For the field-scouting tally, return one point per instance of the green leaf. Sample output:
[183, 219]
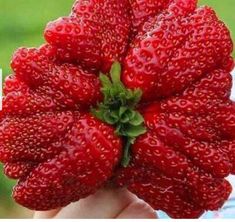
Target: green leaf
[106, 83]
[129, 95]
[97, 113]
[126, 114]
[124, 118]
[103, 107]
[131, 113]
[109, 119]
[122, 97]
[122, 110]
[132, 140]
[113, 92]
[137, 94]
[135, 131]
[137, 120]
[118, 130]
[114, 115]
[116, 73]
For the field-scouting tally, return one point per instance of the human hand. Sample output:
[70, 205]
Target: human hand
[105, 204]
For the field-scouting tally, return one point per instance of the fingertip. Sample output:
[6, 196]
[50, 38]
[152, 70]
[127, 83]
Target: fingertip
[138, 210]
[46, 214]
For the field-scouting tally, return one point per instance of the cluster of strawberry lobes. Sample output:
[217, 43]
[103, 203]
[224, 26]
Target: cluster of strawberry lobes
[178, 54]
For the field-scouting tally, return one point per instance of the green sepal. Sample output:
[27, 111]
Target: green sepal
[105, 81]
[115, 73]
[137, 119]
[135, 131]
[127, 152]
[119, 109]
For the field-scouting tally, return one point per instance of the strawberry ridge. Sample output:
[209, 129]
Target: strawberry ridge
[119, 109]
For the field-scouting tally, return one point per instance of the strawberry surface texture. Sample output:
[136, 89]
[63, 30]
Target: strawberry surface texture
[124, 93]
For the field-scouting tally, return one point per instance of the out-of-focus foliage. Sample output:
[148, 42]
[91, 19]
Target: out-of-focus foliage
[21, 24]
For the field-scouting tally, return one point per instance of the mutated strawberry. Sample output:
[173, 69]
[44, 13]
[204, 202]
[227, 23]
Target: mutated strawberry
[190, 140]
[179, 48]
[144, 10]
[95, 34]
[65, 132]
[68, 157]
[72, 152]
[42, 132]
[67, 84]
[89, 152]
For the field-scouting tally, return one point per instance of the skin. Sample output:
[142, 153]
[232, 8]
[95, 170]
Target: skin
[107, 203]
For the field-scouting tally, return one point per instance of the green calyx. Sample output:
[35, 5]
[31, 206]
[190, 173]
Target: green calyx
[119, 109]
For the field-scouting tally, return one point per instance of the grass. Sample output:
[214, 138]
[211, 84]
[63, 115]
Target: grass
[22, 23]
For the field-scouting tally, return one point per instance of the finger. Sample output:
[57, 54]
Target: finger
[167, 200]
[138, 210]
[46, 214]
[104, 204]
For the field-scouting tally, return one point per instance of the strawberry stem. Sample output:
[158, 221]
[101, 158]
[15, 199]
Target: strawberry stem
[127, 154]
[119, 109]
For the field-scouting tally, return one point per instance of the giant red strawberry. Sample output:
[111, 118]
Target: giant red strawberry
[94, 35]
[134, 93]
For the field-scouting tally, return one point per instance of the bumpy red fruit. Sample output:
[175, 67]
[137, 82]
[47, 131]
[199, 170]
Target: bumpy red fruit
[144, 10]
[89, 152]
[68, 84]
[42, 133]
[95, 34]
[173, 53]
[177, 55]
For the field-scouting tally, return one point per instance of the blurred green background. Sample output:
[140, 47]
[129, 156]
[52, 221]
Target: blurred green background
[21, 24]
